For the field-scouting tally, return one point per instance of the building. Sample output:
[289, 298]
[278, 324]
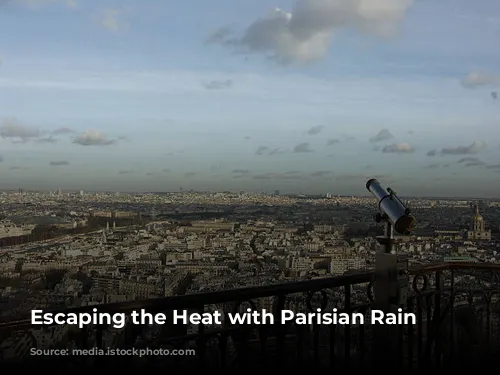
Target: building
[478, 230]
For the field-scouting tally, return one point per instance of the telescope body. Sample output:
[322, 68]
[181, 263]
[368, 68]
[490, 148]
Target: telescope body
[390, 205]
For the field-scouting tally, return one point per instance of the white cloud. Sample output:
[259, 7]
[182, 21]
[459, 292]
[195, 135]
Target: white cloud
[12, 128]
[93, 138]
[477, 79]
[306, 33]
[110, 19]
[474, 148]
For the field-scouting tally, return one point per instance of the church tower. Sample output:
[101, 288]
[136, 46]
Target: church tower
[478, 228]
[477, 221]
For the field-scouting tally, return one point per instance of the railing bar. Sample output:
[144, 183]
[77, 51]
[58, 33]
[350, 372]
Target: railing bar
[98, 361]
[223, 350]
[332, 332]
[82, 341]
[300, 345]
[436, 321]
[411, 335]
[452, 312]
[347, 328]
[202, 340]
[419, 332]
[429, 329]
[280, 331]
[316, 354]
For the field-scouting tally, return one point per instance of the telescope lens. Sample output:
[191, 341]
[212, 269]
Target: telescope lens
[405, 224]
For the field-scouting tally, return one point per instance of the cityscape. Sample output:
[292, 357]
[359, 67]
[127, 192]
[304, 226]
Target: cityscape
[65, 250]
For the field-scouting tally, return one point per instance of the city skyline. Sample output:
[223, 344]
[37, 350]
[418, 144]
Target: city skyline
[132, 96]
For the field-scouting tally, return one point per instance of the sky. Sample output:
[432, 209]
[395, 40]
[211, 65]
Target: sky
[307, 96]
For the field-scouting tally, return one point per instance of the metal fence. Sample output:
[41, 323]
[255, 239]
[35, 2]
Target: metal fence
[457, 323]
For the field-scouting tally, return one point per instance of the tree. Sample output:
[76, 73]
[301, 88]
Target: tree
[53, 277]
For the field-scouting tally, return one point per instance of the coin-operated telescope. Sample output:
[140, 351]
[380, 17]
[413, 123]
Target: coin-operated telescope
[392, 211]
[391, 270]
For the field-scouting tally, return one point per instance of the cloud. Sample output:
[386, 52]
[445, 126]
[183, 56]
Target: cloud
[332, 142]
[110, 19]
[305, 34]
[262, 150]
[12, 128]
[474, 148]
[59, 163]
[432, 153]
[493, 166]
[93, 138]
[278, 176]
[303, 147]
[218, 85]
[127, 171]
[398, 148]
[432, 166]
[47, 140]
[216, 167]
[1, 159]
[382, 135]
[219, 36]
[240, 171]
[63, 130]
[477, 163]
[360, 177]
[190, 174]
[315, 130]
[321, 173]
[275, 151]
[478, 79]
[468, 160]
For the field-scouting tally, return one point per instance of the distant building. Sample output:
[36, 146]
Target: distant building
[478, 230]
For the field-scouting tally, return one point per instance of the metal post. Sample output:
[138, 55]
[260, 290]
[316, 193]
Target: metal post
[390, 293]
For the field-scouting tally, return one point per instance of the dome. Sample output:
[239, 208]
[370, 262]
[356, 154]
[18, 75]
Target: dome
[477, 216]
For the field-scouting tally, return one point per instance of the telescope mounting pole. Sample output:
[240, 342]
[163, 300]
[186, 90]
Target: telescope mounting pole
[387, 240]
[390, 293]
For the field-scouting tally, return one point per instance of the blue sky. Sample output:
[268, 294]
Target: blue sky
[252, 94]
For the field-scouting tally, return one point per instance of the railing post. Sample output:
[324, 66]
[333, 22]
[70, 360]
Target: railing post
[390, 292]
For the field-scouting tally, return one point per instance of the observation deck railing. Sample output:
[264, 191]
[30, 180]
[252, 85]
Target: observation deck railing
[457, 306]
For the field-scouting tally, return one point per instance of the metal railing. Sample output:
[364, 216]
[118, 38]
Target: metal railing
[456, 305]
